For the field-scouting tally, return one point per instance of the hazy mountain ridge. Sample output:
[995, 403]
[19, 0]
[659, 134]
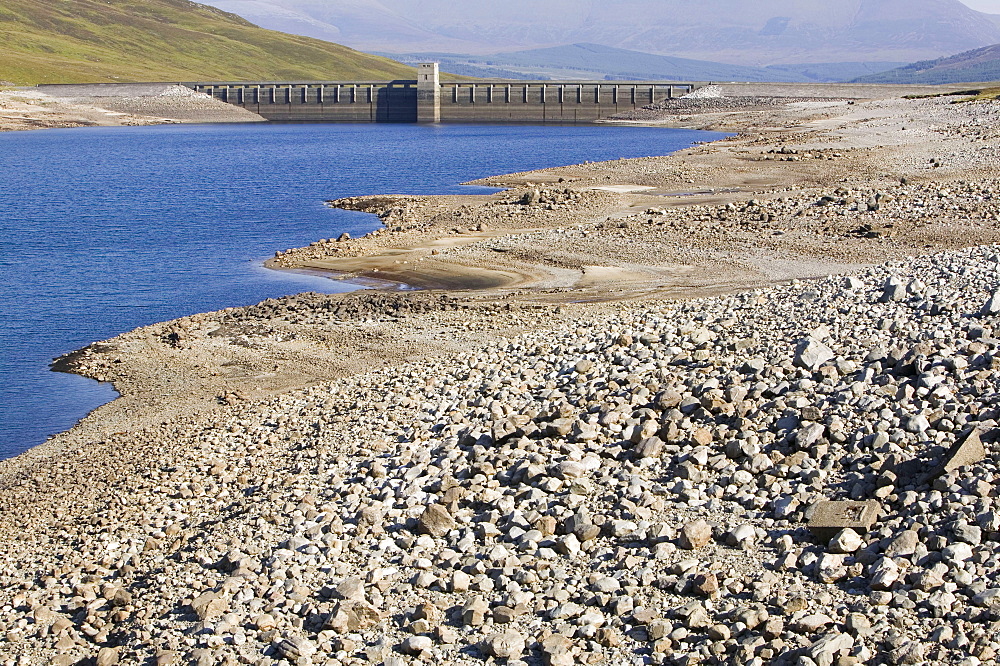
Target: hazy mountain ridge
[593, 61]
[67, 41]
[733, 31]
[974, 66]
[360, 22]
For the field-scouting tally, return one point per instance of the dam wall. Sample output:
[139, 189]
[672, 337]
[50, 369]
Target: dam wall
[334, 101]
[430, 100]
[549, 101]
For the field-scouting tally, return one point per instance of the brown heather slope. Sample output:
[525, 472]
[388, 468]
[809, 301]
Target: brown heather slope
[968, 67]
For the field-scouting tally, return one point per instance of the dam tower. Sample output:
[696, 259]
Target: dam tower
[428, 93]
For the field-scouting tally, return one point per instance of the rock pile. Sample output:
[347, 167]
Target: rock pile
[705, 92]
[849, 223]
[696, 103]
[645, 486]
[358, 305]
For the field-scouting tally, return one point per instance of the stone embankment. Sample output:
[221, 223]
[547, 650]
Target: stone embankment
[112, 105]
[629, 487]
[172, 103]
[705, 103]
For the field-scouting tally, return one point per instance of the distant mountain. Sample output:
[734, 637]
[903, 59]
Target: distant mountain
[364, 24]
[974, 66]
[760, 33]
[69, 41]
[830, 72]
[594, 61]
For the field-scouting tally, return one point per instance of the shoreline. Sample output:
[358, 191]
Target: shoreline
[28, 108]
[212, 487]
[540, 283]
[420, 238]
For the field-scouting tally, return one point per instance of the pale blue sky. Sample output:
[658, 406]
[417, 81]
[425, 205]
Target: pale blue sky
[989, 6]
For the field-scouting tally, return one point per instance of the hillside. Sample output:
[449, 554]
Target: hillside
[762, 33]
[67, 41]
[969, 67]
[627, 64]
[594, 61]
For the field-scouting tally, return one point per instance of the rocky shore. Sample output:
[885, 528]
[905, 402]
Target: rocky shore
[97, 105]
[631, 485]
[800, 190]
[553, 463]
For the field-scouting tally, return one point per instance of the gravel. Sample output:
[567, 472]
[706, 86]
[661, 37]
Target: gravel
[173, 102]
[451, 510]
[709, 103]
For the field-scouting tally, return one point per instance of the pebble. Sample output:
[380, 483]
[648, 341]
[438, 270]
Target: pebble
[695, 534]
[505, 645]
[846, 541]
[416, 645]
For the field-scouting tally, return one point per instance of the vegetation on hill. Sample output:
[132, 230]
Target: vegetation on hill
[72, 41]
[969, 67]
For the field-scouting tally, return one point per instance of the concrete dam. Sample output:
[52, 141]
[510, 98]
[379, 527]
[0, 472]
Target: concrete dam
[429, 100]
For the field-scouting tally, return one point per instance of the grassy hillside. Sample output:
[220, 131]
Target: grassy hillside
[71, 41]
[970, 67]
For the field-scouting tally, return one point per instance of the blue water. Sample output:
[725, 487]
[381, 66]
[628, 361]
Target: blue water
[106, 229]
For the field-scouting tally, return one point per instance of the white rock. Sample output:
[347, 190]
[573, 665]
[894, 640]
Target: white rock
[957, 552]
[743, 537]
[846, 541]
[810, 354]
[991, 306]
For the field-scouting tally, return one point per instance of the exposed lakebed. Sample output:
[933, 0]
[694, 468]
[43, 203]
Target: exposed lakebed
[106, 229]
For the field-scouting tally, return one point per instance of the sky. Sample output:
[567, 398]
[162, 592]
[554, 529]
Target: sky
[989, 6]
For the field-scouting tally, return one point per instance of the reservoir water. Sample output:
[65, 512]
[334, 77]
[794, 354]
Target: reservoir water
[106, 229]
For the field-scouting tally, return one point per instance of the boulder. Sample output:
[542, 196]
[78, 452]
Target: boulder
[810, 354]
[435, 520]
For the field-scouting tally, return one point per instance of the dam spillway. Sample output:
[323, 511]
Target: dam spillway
[428, 99]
